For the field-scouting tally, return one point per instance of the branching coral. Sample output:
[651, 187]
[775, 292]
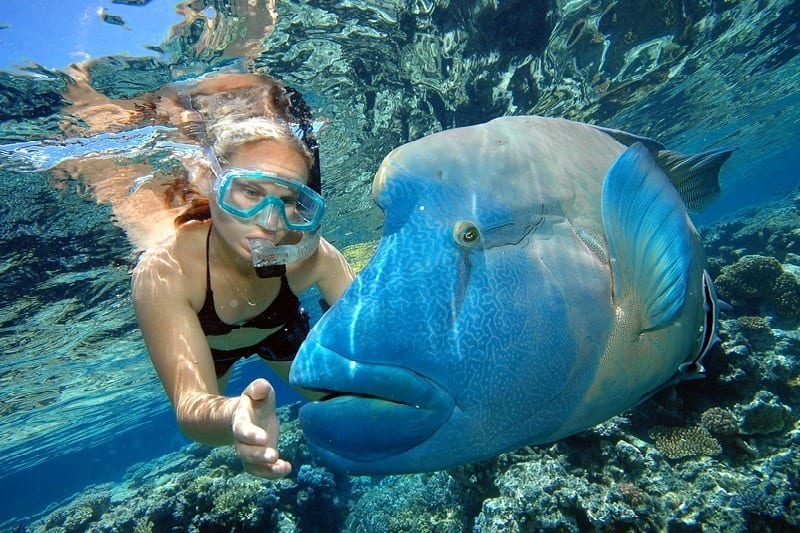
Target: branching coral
[678, 442]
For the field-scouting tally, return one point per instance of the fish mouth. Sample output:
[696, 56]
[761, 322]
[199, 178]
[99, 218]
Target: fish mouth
[368, 411]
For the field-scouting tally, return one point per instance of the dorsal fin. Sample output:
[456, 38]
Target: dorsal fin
[629, 139]
[649, 237]
[695, 176]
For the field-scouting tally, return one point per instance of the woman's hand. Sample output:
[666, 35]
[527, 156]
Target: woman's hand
[255, 432]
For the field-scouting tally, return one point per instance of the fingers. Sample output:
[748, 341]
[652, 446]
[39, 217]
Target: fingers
[255, 413]
[255, 432]
[262, 461]
[256, 455]
[274, 470]
[247, 432]
[243, 424]
[261, 389]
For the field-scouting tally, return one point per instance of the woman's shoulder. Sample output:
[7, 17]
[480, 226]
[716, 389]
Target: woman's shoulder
[326, 252]
[317, 261]
[326, 265]
[174, 263]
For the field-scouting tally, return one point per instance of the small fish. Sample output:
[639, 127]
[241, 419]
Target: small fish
[108, 18]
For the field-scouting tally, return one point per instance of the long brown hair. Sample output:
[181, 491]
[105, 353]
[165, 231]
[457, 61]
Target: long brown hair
[198, 209]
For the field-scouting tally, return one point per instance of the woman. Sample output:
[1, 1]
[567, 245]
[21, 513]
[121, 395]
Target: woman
[225, 286]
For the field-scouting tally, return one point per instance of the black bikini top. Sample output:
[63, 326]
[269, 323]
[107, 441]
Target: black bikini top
[283, 308]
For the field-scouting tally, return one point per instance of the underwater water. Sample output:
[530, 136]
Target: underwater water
[87, 437]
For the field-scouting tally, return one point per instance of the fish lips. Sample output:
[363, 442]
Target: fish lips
[372, 411]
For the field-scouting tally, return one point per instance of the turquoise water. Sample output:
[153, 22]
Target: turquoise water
[80, 402]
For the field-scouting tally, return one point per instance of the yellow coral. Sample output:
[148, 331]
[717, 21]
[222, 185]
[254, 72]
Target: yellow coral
[359, 254]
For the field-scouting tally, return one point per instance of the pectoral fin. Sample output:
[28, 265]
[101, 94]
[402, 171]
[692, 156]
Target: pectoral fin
[650, 238]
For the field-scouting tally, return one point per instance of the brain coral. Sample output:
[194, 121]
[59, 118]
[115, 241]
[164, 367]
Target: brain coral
[755, 282]
[720, 421]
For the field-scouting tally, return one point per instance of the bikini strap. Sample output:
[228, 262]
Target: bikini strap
[208, 264]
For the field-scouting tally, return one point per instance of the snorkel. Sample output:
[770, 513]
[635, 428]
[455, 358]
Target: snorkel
[270, 260]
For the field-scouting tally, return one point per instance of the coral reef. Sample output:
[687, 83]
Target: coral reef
[720, 454]
[760, 285]
[425, 502]
[720, 421]
[203, 489]
[765, 414]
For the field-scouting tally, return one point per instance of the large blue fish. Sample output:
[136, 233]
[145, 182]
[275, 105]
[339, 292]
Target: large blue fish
[535, 277]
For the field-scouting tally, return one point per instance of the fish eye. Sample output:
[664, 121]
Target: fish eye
[466, 234]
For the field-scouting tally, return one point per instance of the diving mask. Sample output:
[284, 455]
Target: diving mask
[264, 198]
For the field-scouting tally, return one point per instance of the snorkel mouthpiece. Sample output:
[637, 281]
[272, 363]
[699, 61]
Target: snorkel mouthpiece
[274, 271]
[266, 259]
[270, 260]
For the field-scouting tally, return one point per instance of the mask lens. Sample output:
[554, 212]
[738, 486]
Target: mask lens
[304, 207]
[247, 193]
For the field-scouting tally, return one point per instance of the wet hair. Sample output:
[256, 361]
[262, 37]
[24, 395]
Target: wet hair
[226, 111]
[239, 108]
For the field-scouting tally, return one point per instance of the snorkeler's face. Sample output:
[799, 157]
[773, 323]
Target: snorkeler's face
[271, 157]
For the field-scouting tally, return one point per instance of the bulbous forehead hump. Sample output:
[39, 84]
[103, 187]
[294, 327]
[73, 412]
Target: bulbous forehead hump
[518, 161]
